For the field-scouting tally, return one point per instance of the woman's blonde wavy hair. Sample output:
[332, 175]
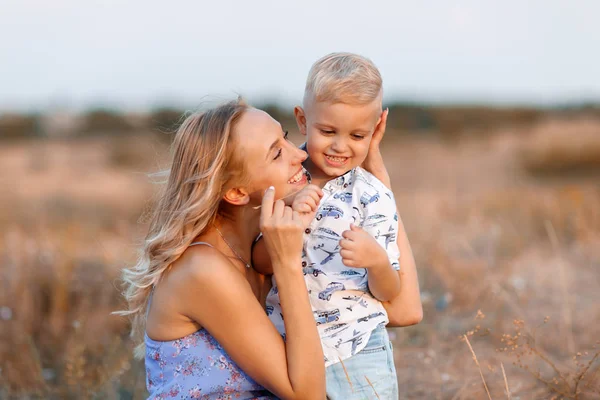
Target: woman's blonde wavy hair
[204, 166]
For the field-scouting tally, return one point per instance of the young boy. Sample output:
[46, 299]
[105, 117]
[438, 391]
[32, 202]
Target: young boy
[350, 255]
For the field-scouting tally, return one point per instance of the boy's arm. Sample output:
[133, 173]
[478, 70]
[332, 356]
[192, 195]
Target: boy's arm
[374, 246]
[384, 282]
[406, 308]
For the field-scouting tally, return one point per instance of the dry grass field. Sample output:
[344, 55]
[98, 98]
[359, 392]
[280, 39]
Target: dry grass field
[505, 227]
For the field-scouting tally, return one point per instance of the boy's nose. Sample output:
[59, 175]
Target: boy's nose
[338, 145]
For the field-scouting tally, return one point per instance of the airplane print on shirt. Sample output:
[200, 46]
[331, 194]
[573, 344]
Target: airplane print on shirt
[356, 340]
[330, 254]
[390, 236]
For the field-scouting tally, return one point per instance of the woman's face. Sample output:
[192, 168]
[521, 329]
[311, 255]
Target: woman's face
[270, 159]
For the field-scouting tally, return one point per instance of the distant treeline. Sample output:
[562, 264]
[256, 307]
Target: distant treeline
[447, 120]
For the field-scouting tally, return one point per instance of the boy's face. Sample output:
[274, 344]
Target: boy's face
[338, 134]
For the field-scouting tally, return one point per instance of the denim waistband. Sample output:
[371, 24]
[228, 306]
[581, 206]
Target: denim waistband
[379, 336]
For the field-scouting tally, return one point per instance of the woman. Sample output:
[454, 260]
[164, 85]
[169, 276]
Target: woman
[193, 290]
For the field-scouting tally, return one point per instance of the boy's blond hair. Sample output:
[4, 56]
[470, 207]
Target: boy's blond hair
[343, 78]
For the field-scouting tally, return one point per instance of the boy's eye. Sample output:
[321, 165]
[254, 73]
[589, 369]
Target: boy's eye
[358, 137]
[327, 132]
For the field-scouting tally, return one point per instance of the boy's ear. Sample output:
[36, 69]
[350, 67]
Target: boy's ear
[237, 196]
[300, 119]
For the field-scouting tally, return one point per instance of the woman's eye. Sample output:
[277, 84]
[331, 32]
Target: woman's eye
[278, 155]
[285, 135]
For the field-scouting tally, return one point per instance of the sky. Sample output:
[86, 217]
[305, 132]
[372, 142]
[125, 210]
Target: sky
[144, 54]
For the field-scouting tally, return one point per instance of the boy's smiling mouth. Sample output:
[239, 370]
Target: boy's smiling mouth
[336, 161]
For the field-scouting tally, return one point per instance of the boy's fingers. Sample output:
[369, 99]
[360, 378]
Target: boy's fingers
[314, 196]
[348, 263]
[267, 203]
[319, 191]
[312, 188]
[350, 235]
[345, 253]
[305, 208]
[304, 205]
[310, 201]
[346, 244]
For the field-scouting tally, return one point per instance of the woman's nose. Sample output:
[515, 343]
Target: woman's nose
[301, 154]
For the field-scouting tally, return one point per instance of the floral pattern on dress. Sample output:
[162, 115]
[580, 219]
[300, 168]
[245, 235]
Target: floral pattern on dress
[197, 367]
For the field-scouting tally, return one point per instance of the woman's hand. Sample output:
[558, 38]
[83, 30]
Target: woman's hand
[379, 131]
[374, 161]
[281, 228]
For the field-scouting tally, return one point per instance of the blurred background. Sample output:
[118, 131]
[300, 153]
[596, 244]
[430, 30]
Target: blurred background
[493, 146]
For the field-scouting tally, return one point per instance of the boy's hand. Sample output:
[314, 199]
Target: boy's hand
[306, 203]
[361, 250]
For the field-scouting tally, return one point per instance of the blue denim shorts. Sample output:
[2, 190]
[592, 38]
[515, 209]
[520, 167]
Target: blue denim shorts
[375, 362]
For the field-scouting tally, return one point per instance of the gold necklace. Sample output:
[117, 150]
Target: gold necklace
[232, 249]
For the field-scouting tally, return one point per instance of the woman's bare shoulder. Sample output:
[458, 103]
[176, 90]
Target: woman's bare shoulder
[201, 262]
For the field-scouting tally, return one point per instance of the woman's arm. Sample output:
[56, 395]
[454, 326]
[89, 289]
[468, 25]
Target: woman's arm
[405, 309]
[294, 369]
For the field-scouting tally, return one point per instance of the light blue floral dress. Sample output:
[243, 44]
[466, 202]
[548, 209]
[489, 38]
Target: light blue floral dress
[197, 367]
